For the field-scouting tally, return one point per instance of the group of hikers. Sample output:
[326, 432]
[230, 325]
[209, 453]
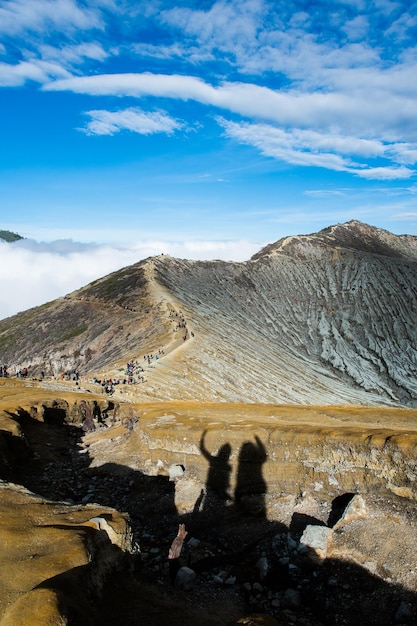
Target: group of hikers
[109, 384]
[134, 372]
[180, 324]
[71, 375]
[21, 372]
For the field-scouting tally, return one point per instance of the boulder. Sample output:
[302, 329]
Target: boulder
[356, 509]
[185, 578]
[316, 539]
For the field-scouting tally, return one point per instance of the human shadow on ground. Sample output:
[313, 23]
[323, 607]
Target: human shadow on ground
[268, 559]
[261, 557]
[251, 487]
[218, 476]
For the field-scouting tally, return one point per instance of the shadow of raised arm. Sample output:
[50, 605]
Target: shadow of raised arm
[203, 448]
[261, 450]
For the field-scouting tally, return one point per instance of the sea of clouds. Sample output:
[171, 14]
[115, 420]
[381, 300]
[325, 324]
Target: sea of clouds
[33, 273]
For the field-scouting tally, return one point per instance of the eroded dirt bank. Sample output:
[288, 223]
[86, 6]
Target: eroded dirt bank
[247, 480]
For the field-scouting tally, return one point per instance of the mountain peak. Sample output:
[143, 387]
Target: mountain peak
[353, 235]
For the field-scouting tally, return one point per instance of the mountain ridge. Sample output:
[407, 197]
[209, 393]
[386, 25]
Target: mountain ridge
[350, 236]
[314, 319]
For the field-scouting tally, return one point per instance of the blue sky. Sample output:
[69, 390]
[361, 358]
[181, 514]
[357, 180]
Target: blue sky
[201, 129]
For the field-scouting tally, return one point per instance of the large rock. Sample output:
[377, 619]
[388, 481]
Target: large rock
[356, 509]
[54, 556]
[39, 606]
[316, 539]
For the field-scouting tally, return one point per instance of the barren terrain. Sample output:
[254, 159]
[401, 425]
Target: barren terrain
[320, 319]
[268, 405]
[157, 464]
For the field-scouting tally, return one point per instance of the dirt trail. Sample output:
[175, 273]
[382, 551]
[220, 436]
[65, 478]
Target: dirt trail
[158, 370]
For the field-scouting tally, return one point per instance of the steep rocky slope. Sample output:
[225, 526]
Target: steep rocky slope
[327, 318]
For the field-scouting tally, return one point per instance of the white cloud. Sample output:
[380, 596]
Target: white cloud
[352, 112]
[356, 28]
[406, 216]
[133, 119]
[403, 27]
[285, 146]
[73, 54]
[33, 273]
[137, 85]
[404, 153]
[342, 124]
[385, 173]
[16, 75]
[323, 193]
[17, 16]
[34, 70]
[225, 25]
[309, 148]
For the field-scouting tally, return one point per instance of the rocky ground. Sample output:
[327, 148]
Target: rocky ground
[246, 562]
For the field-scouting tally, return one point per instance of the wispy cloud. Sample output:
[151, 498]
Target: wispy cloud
[339, 123]
[324, 193]
[191, 54]
[385, 173]
[133, 119]
[310, 148]
[406, 216]
[34, 69]
[30, 31]
[225, 26]
[73, 54]
[19, 16]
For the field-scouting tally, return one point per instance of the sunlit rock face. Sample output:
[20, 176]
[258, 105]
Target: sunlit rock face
[327, 318]
[273, 450]
[55, 557]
